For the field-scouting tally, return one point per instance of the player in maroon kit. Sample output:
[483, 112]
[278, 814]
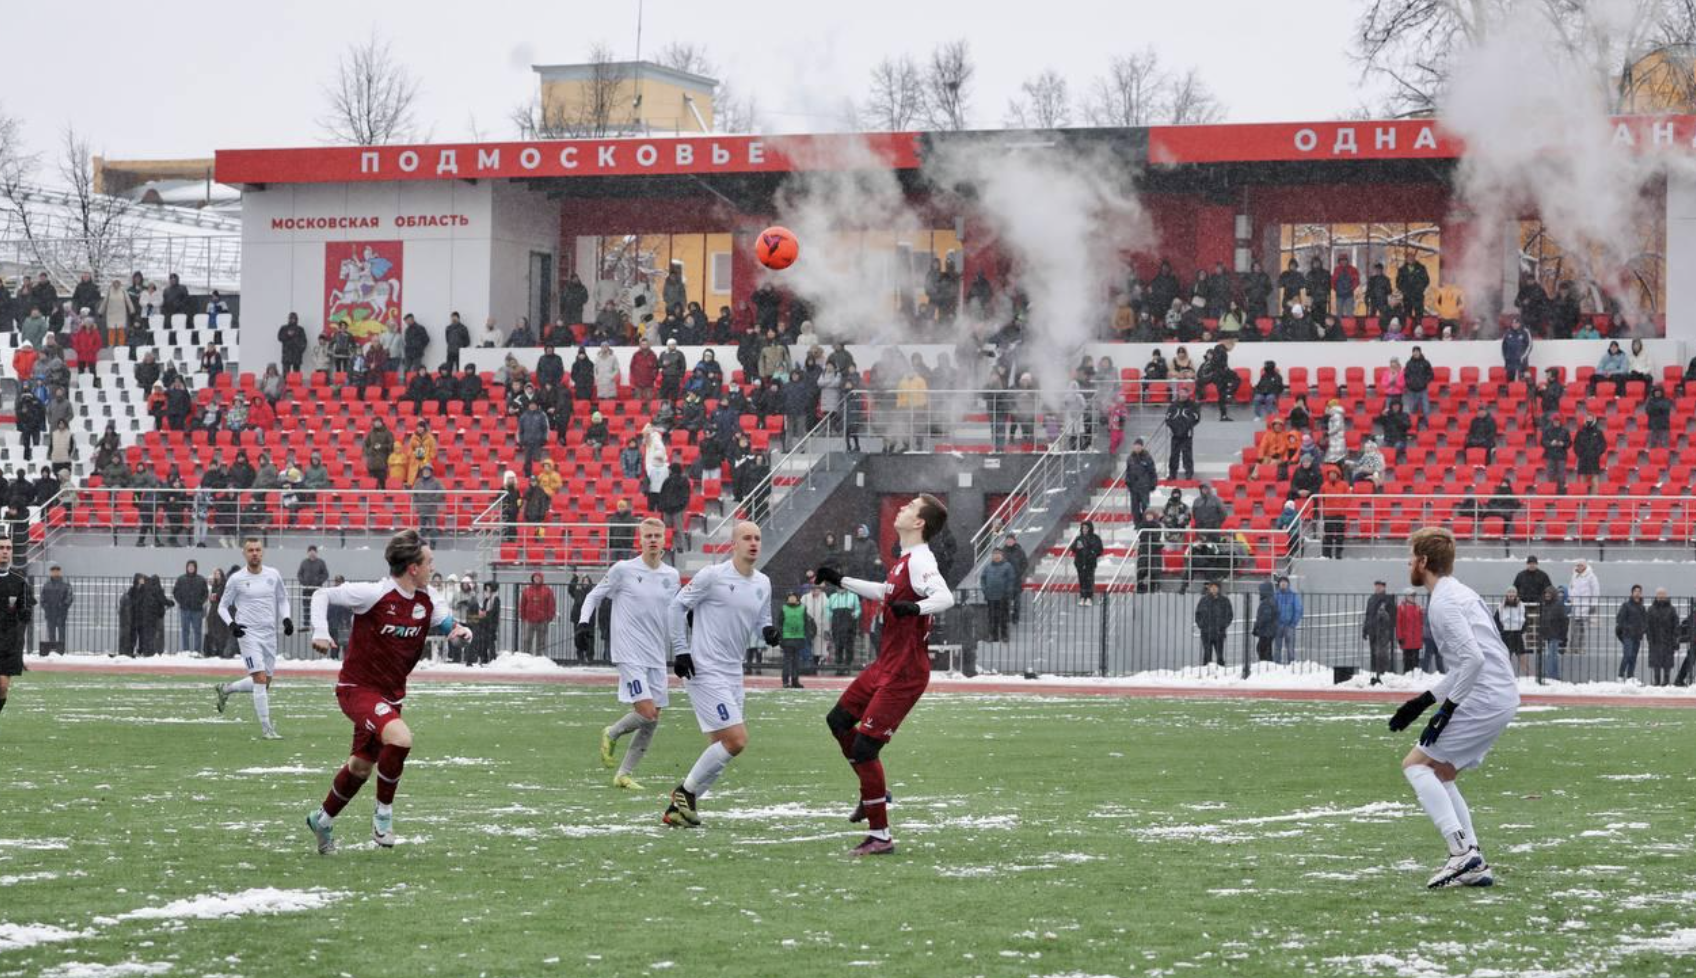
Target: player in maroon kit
[391, 620]
[872, 707]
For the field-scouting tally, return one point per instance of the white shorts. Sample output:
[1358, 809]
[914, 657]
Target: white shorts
[1468, 738]
[717, 701]
[636, 683]
[258, 655]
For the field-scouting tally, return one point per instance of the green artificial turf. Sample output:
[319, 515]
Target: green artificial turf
[1037, 837]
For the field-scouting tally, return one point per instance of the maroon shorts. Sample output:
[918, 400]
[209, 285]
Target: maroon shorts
[370, 712]
[881, 702]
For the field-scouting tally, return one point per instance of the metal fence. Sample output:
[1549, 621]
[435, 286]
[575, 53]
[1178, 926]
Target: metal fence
[1048, 633]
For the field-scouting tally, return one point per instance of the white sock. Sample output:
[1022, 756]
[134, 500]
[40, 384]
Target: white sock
[880, 834]
[325, 818]
[242, 685]
[1462, 812]
[262, 702]
[1437, 804]
[383, 809]
[706, 770]
[638, 746]
[625, 724]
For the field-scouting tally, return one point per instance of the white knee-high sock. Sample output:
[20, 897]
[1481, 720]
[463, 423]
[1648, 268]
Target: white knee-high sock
[1462, 812]
[625, 724]
[242, 685]
[712, 763]
[638, 746]
[1437, 804]
[262, 703]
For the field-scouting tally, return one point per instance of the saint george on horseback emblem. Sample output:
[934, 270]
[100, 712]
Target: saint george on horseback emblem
[362, 282]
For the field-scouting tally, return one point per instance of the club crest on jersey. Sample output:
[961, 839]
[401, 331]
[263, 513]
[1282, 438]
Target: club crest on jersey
[418, 611]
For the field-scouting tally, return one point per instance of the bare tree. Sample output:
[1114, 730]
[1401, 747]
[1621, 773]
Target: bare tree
[602, 109]
[730, 113]
[372, 98]
[948, 86]
[100, 222]
[1043, 103]
[1412, 43]
[896, 100]
[1189, 102]
[1132, 93]
[16, 166]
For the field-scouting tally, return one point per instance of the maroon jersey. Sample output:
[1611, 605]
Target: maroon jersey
[905, 649]
[389, 631]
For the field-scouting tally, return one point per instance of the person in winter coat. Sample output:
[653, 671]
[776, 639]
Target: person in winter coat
[532, 435]
[673, 504]
[1289, 620]
[56, 600]
[190, 592]
[1267, 390]
[86, 341]
[1140, 476]
[644, 371]
[1378, 628]
[1553, 626]
[1516, 352]
[1306, 480]
[1583, 593]
[1481, 432]
[1590, 445]
[606, 374]
[379, 444]
[1277, 448]
[1657, 407]
[1000, 583]
[1265, 627]
[1182, 417]
[1631, 624]
[1213, 616]
[1417, 376]
[1085, 550]
[536, 610]
[1556, 441]
[1410, 630]
[583, 376]
[1336, 434]
[1663, 635]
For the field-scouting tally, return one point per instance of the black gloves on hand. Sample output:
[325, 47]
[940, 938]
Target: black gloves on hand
[288, 626]
[1439, 720]
[684, 666]
[237, 629]
[584, 636]
[905, 609]
[772, 634]
[828, 575]
[1410, 711]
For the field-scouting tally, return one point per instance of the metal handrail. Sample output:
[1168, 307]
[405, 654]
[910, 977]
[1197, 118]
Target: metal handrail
[1049, 471]
[1151, 443]
[729, 519]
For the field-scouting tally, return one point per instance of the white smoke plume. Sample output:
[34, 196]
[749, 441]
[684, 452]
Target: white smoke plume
[1532, 107]
[1068, 218]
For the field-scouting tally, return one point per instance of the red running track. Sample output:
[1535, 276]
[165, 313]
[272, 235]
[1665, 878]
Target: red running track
[940, 685]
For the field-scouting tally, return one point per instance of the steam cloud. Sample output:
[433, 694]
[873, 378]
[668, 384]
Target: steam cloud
[1539, 141]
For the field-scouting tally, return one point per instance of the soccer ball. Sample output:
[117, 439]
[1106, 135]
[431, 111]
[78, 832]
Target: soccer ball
[777, 247]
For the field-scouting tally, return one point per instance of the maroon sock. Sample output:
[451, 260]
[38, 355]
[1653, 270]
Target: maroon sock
[342, 790]
[391, 760]
[873, 791]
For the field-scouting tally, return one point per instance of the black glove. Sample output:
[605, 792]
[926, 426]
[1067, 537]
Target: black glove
[1410, 711]
[584, 636]
[1439, 720]
[905, 609]
[684, 666]
[288, 626]
[828, 575]
[237, 629]
[772, 634]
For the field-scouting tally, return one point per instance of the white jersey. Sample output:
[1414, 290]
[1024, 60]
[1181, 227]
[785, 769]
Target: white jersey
[1480, 679]
[641, 602]
[259, 602]
[730, 611]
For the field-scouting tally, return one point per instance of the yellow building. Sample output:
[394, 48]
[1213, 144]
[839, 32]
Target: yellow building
[620, 97]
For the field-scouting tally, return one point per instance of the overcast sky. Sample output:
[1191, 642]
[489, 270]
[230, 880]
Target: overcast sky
[181, 78]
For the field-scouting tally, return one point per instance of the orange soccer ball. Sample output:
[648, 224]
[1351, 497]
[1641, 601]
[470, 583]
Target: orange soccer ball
[777, 247]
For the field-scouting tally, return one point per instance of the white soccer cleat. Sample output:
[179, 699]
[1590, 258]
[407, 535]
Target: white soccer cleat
[383, 830]
[1450, 874]
[321, 832]
[269, 732]
[1482, 876]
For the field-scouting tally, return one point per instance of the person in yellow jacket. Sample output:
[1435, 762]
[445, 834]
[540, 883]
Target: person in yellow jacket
[1449, 303]
[421, 447]
[549, 478]
[912, 398]
[400, 469]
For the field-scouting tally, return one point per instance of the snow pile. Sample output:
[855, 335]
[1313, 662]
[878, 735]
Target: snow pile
[214, 906]
[128, 969]
[16, 937]
[1682, 941]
